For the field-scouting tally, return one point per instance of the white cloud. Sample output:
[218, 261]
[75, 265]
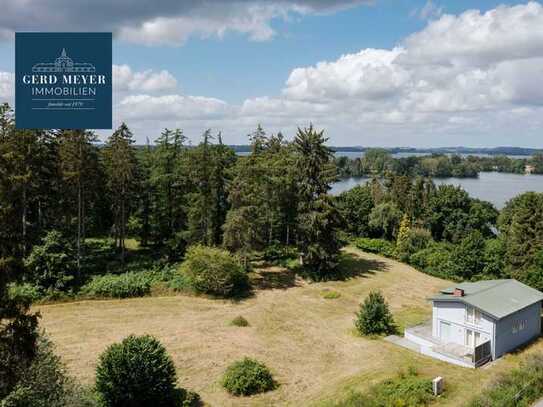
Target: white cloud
[475, 38]
[124, 79]
[7, 87]
[369, 74]
[175, 106]
[177, 30]
[519, 80]
[455, 64]
[467, 76]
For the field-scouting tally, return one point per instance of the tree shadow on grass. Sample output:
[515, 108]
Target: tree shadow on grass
[274, 278]
[277, 277]
[265, 279]
[352, 266]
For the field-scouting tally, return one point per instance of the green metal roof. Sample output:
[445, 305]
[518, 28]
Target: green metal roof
[498, 298]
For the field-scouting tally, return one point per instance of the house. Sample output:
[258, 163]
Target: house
[529, 169]
[473, 323]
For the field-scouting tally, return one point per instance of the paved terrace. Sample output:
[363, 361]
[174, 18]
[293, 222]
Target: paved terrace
[419, 339]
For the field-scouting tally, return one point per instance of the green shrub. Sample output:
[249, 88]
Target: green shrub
[132, 284]
[331, 295]
[434, 260]
[374, 317]
[385, 218]
[406, 390]
[188, 399]
[180, 282]
[81, 396]
[416, 239]
[25, 293]
[467, 256]
[52, 264]
[355, 206]
[532, 276]
[292, 265]
[379, 246]
[494, 258]
[45, 383]
[54, 295]
[137, 371]
[278, 251]
[246, 377]
[213, 271]
[519, 387]
[159, 272]
[239, 321]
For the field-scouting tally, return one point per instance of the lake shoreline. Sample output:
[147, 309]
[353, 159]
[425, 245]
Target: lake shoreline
[495, 187]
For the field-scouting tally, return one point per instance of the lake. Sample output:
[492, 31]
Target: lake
[494, 187]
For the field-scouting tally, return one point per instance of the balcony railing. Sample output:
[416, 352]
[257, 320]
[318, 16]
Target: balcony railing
[481, 354]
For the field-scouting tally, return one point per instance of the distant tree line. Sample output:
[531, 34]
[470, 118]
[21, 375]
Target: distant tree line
[380, 162]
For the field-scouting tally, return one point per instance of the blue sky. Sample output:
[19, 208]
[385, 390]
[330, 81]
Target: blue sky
[228, 65]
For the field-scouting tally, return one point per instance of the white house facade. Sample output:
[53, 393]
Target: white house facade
[473, 323]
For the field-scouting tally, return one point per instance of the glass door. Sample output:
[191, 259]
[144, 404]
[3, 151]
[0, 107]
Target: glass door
[477, 339]
[445, 331]
[469, 338]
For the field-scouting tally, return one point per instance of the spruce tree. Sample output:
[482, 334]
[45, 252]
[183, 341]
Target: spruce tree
[145, 188]
[78, 160]
[168, 180]
[18, 330]
[224, 158]
[521, 227]
[318, 218]
[374, 317]
[28, 188]
[120, 163]
[209, 168]
[245, 227]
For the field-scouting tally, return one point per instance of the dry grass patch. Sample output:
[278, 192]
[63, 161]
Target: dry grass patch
[303, 338]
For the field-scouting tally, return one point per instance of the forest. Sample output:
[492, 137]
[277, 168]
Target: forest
[72, 209]
[377, 161]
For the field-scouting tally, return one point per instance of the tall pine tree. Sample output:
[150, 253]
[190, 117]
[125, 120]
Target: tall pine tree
[318, 218]
[80, 173]
[169, 183]
[120, 164]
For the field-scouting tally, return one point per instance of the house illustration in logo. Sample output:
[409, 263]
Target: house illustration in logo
[63, 64]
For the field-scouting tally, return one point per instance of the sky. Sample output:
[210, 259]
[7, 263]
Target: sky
[422, 73]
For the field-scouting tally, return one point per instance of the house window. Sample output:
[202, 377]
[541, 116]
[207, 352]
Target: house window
[477, 317]
[519, 325]
[472, 339]
[473, 315]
